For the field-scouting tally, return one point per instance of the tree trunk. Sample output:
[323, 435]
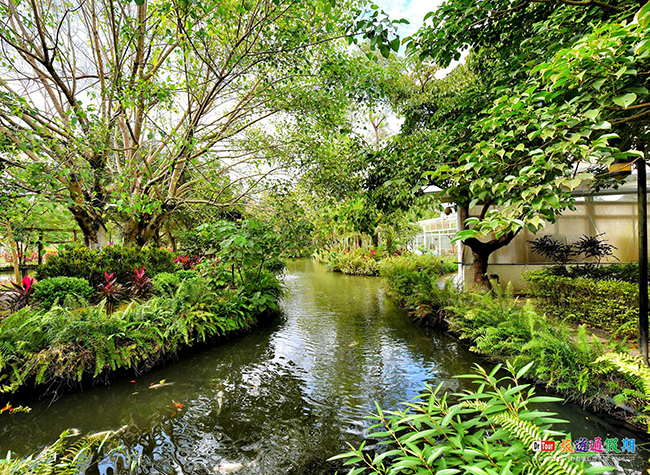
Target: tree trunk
[141, 229]
[172, 240]
[481, 251]
[14, 254]
[92, 226]
[481, 277]
[87, 212]
[375, 240]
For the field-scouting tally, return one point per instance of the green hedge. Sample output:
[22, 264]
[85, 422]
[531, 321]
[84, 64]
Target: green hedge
[60, 289]
[82, 262]
[602, 304]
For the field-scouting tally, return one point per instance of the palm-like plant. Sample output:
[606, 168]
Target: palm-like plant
[14, 296]
[111, 291]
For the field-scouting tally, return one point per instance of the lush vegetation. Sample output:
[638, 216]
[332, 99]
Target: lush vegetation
[64, 291]
[62, 347]
[69, 454]
[62, 340]
[497, 325]
[486, 430]
[79, 261]
[607, 303]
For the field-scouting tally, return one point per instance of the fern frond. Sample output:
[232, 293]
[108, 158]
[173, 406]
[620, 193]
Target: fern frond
[525, 431]
[631, 366]
[544, 465]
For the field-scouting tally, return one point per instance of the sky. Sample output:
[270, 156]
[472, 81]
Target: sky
[412, 10]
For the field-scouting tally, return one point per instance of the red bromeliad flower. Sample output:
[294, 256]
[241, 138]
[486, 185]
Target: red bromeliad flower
[27, 282]
[139, 274]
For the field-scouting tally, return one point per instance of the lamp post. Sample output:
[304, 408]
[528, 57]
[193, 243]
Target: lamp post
[642, 194]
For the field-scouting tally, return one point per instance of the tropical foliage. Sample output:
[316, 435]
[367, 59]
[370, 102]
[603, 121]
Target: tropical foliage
[608, 304]
[486, 430]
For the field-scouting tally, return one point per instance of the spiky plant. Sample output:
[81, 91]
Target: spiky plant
[14, 296]
[111, 291]
[141, 284]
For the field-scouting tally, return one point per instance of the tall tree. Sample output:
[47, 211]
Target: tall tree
[516, 129]
[132, 111]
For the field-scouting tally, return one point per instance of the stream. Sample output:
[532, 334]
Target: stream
[283, 399]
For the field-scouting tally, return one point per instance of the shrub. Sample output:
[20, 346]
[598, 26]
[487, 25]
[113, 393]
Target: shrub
[80, 261]
[111, 291]
[487, 430]
[355, 263]
[617, 272]
[403, 274]
[141, 286]
[187, 274]
[497, 326]
[165, 283]
[605, 304]
[59, 289]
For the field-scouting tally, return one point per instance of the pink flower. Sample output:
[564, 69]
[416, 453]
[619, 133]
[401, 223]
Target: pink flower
[27, 282]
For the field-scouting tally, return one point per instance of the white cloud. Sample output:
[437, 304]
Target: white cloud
[412, 10]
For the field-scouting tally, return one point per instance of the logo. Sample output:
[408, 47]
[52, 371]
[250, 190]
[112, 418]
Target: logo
[584, 445]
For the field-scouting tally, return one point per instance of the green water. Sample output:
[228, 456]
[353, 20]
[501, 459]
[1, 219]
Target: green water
[280, 400]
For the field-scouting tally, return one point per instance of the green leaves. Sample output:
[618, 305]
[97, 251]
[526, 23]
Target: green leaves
[431, 437]
[625, 100]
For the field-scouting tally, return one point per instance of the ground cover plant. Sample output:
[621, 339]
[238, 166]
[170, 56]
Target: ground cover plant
[487, 430]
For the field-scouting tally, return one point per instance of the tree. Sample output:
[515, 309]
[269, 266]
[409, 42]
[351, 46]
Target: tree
[133, 111]
[536, 107]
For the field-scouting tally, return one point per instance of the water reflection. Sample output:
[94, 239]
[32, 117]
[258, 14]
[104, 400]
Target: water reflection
[279, 401]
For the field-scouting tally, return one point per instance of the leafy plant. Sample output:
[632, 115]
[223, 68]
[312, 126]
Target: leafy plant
[141, 285]
[605, 304]
[410, 274]
[111, 291]
[587, 246]
[165, 283]
[14, 296]
[634, 369]
[63, 457]
[592, 246]
[487, 430]
[552, 249]
[78, 260]
[47, 292]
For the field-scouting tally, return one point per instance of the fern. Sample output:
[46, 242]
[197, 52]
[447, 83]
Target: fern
[629, 365]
